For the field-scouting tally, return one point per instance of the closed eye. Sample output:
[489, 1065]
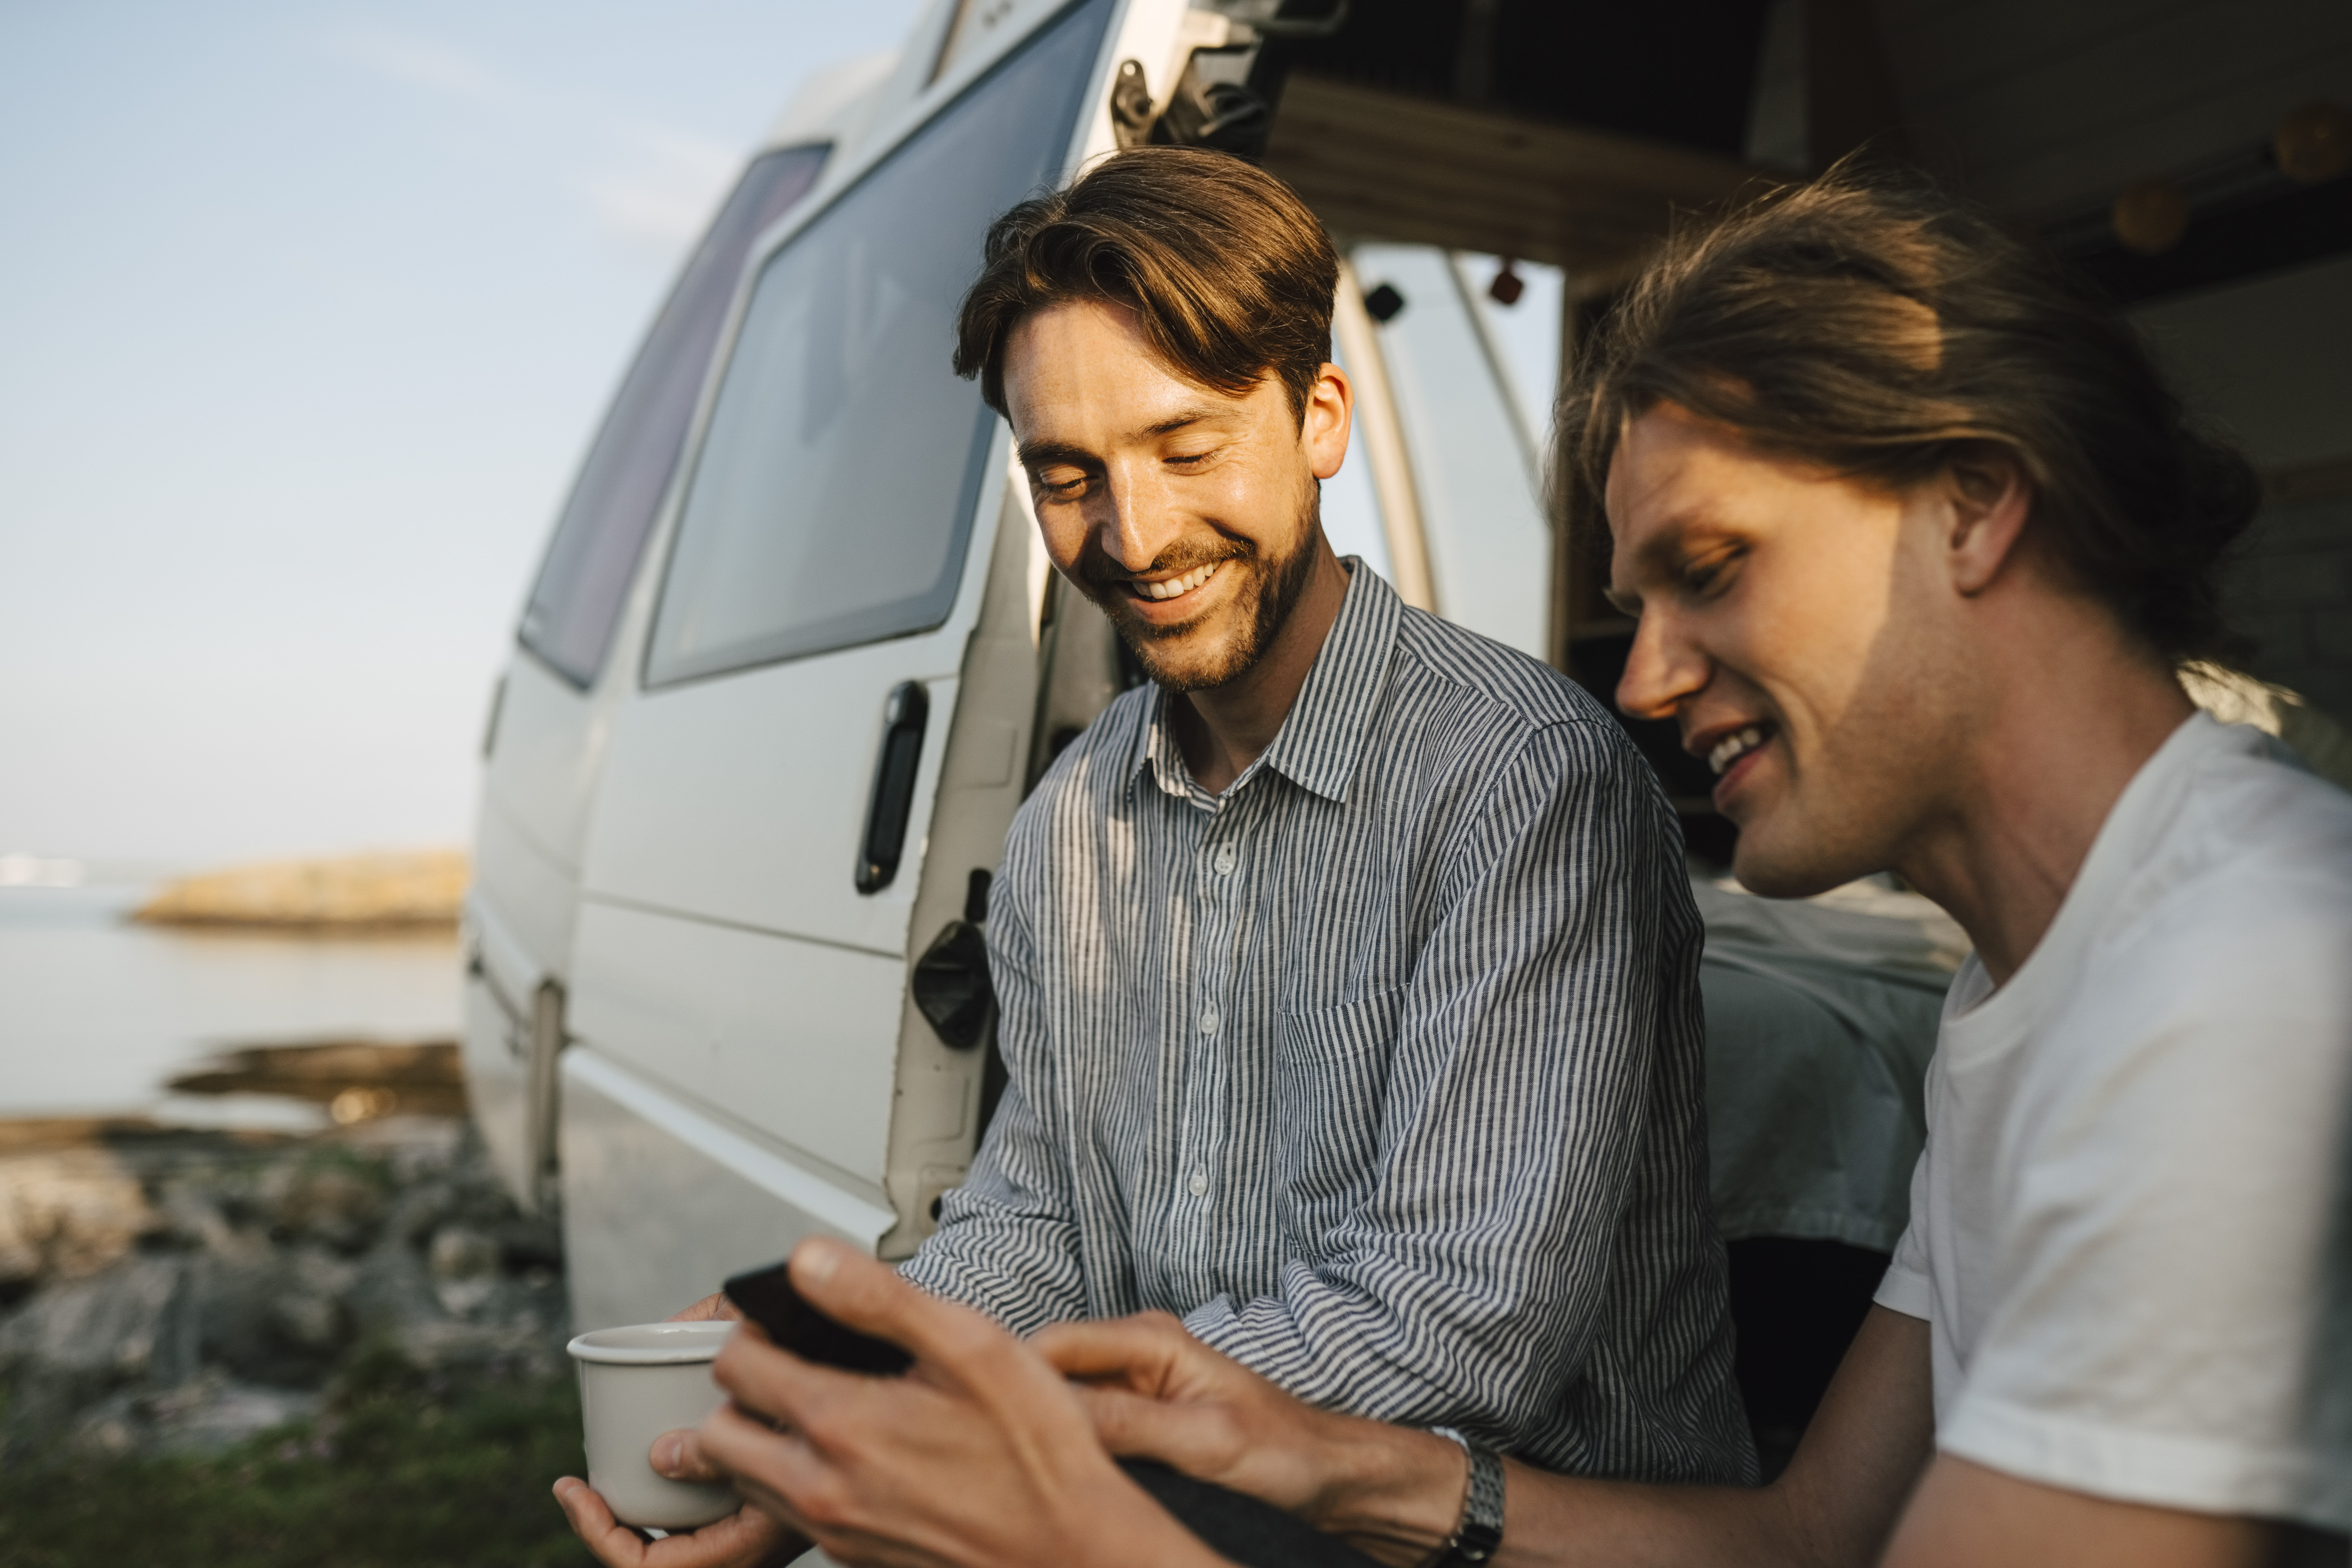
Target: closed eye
[1062, 484]
[1710, 573]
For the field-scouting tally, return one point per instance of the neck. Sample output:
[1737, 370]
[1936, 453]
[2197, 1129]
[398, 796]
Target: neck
[1223, 729]
[2044, 765]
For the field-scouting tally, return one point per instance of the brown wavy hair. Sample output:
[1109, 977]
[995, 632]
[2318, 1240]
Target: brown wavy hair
[1229, 273]
[1871, 323]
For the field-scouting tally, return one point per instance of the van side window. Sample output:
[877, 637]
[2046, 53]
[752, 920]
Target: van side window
[832, 498]
[576, 601]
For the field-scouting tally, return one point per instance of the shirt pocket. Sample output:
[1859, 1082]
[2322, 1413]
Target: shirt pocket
[1331, 1072]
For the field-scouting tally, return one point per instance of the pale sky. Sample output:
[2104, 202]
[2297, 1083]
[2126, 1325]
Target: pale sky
[309, 310]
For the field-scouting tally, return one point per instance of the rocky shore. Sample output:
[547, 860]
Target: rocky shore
[409, 891]
[166, 1290]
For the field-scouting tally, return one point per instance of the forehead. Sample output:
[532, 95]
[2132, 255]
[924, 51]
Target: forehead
[1087, 363]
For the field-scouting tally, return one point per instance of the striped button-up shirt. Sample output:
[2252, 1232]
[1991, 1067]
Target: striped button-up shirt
[1382, 1069]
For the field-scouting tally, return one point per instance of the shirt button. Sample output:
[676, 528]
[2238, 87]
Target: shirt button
[1198, 1181]
[1208, 1021]
[1226, 859]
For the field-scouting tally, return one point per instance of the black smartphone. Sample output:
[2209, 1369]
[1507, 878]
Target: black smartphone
[766, 1297]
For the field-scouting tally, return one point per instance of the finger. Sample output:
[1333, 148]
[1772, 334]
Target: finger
[774, 1470]
[678, 1455]
[853, 1289]
[1138, 1349]
[712, 1307]
[1199, 1438]
[772, 1381]
[742, 1538]
[612, 1542]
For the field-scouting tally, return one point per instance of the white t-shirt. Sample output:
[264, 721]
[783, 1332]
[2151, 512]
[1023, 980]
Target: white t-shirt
[2130, 1231]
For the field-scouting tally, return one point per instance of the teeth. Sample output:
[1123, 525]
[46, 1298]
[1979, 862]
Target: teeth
[1731, 748]
[1177, 585]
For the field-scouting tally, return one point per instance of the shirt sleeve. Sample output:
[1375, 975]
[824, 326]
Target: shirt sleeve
[1008, 1237]
[1905, 1289]
[1466, 1286]
[2168, 1317]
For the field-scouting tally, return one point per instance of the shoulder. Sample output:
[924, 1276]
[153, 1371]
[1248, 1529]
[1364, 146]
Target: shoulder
[1497, 742]
[1468, 703]
[1440, 666]
[2218, 1001]
[2249, 882]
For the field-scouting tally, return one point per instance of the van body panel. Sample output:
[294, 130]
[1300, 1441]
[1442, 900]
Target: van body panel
[772, 1033]
[544, 769]
[726, 963]
[544, 752]
[661, 1202]
[518, 926]
[496, 953]
[496, 1047]
[743, 799]
[535, 896]
[935, 1123]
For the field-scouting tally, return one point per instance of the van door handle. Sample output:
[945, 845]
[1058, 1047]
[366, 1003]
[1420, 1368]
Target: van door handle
[903, 718]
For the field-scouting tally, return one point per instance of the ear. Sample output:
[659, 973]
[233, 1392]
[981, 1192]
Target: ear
[1330, 407]
[1990, 498]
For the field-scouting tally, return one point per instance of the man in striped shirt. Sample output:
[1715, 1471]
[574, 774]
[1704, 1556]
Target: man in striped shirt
[1349, 969]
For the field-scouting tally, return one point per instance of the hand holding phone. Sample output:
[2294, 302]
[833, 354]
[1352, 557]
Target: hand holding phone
[767, 1297]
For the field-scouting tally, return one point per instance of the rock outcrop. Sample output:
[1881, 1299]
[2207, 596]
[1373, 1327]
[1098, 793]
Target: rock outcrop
[418, 889]
[175, 1290]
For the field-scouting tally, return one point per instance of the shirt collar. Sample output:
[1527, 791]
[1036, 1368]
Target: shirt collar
[1325, 733]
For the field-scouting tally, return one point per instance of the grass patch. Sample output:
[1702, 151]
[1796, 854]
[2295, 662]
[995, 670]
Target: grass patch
[400, 1472]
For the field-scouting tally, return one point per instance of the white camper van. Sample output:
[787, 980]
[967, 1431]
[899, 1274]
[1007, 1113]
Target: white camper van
[795, 653]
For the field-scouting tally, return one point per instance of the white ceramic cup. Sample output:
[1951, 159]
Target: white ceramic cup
[635, 1384]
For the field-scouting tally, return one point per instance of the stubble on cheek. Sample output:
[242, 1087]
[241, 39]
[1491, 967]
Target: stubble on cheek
[1854, 781]
[1221, 646]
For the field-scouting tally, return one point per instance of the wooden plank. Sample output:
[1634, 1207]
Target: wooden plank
[1384, 166]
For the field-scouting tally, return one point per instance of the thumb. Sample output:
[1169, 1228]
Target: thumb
[679, 1457]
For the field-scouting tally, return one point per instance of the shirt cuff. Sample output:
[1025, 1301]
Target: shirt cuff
[1903, 1290]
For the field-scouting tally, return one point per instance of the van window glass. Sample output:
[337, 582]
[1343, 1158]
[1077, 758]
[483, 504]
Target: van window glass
[832, 498]
[576, 601]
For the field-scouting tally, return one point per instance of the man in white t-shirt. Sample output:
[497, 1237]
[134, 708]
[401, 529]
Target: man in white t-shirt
[2119, 1231]
[1916, 538]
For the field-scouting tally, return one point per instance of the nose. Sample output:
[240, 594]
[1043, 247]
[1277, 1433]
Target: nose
[1663, 670]
[1137, 522]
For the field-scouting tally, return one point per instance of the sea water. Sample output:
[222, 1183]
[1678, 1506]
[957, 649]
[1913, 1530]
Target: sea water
[97, 1013]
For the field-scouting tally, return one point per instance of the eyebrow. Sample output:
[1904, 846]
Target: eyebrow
[1037, 453]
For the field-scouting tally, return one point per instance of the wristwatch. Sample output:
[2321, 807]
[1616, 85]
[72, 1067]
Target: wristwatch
[1480, 1533]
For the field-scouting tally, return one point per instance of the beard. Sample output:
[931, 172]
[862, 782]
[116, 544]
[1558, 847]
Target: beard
[1194, 655]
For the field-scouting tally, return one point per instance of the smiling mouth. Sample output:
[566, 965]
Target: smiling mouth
[1735, 745]
[1174, 587]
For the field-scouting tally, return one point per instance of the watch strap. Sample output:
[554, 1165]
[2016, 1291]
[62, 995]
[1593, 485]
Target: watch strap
[1479, 1534]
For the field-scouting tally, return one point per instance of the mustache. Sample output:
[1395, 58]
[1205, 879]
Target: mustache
[1095, 569]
